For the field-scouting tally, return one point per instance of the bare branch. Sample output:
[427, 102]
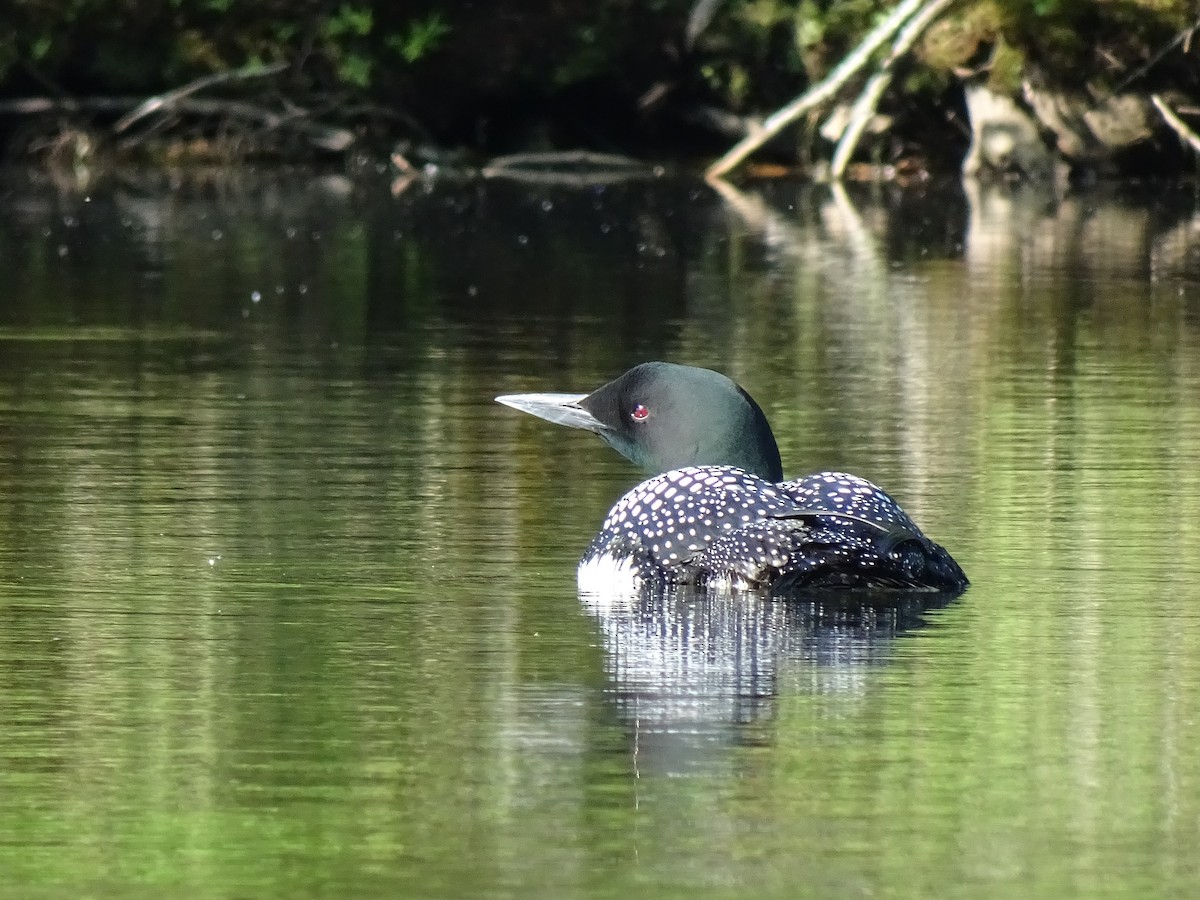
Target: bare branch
[868, 100]
[1177, 124]
[169, 99]
[818, 93]
[298, 120]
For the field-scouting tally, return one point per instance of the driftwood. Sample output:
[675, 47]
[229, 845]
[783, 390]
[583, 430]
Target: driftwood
[181, 101]
[918, 14]
[169, 99]
[322, 136]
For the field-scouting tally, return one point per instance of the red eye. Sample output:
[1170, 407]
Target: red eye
[640, 413]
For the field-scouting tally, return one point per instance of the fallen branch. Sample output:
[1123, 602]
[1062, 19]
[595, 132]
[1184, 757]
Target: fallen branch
[818, 93]
[864, 107]
[917, 13]
[325, 137]
[1177, 124]
[1184, 37]
[860, 116]
[170, 98]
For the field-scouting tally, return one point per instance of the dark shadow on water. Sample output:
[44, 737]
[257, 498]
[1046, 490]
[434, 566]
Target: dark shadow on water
[693, 674]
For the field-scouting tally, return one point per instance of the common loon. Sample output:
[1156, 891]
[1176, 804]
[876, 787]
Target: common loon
[717, 511]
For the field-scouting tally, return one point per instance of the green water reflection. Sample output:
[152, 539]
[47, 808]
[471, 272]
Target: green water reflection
[287, 604]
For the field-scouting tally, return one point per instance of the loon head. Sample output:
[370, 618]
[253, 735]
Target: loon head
[664, 416]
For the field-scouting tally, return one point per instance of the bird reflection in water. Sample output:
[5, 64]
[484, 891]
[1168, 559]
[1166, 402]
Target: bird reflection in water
[692, 672]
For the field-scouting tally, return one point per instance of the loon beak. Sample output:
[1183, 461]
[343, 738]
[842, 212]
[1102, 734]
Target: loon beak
[561, 409]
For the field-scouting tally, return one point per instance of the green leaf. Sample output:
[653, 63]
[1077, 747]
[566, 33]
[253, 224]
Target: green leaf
[355, 69]
[41, 47]
[350, 20]
[422, 37]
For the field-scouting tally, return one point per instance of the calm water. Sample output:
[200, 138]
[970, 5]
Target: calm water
[287, 604]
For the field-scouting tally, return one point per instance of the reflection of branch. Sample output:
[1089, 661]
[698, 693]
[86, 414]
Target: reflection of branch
[859, 239]
[756, 214]
[1177, 124]
[573, 167]
[571, 159]
[170, 98]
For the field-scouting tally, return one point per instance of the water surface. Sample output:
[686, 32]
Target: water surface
[287, 604]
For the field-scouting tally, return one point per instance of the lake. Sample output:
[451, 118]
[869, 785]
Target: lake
[288, 603]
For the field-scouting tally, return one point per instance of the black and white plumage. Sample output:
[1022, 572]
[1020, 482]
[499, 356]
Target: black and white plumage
[718, 513]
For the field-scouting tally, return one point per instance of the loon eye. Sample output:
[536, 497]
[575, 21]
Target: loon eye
[640, 413]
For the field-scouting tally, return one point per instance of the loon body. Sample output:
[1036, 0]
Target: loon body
[717, 511]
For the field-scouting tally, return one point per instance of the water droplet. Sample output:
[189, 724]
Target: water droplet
[255, 296]
[217, 234]
[522, 239]
[547, 206]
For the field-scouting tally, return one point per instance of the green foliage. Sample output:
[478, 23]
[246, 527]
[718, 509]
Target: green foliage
[112, 46]
[809, 25]
[422, 37]
[40, 47]
[435, 56]
[340, 32]
[355, 69]
[1008, 66]
[348, 21]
